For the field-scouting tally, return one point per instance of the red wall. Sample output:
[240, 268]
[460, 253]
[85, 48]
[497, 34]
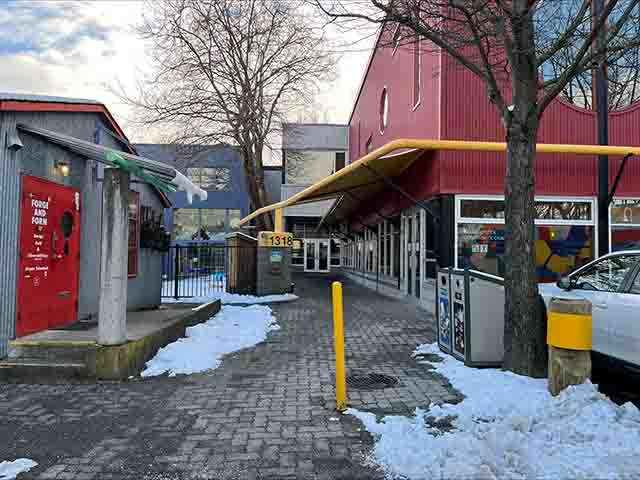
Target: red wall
[454, 107]
[395, 72]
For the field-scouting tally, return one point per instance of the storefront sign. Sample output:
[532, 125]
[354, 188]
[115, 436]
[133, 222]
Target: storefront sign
[276, 256]
[37, 248]
[275, 239]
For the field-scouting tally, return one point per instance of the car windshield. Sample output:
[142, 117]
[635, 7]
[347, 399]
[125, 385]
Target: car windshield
[606, 275]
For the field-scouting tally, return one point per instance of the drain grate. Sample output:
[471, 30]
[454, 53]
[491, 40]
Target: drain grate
[371, 381]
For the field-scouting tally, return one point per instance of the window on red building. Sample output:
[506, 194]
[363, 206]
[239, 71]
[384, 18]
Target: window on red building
[339, 161]
[134, 233]
[384, 109]
[417, 67]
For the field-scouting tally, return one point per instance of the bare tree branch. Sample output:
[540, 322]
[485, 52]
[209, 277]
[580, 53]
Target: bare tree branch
[228, 71]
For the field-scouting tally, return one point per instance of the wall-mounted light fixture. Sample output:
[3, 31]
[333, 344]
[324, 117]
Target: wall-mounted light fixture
[63, 168]
[13, 142]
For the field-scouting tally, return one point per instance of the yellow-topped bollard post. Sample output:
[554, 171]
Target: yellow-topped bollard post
[569, 333]
[338, 343]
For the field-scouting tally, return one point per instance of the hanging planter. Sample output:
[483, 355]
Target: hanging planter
[154, 236]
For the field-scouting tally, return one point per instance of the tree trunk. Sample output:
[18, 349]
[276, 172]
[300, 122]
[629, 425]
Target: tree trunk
[524, 330]
[255, 188]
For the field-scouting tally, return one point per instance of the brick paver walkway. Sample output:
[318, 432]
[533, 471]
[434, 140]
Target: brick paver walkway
[266, 412]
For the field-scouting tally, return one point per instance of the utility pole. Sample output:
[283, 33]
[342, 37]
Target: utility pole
[602, 114]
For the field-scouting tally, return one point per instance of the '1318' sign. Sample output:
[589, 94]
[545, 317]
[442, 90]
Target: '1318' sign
[275, 239]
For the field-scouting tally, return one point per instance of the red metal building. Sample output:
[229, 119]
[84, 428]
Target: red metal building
[422, 93]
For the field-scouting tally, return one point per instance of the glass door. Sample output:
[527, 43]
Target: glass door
[410, 270]
[416, 250]
[316, 255]
[310, 254]
[323, 255]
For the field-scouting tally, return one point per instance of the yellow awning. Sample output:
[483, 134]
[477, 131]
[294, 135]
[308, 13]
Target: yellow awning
[364, 177]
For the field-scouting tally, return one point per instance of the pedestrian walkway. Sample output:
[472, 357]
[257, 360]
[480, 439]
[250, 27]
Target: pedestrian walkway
[266, 413]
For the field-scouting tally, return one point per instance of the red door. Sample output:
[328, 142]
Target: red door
[49, 263]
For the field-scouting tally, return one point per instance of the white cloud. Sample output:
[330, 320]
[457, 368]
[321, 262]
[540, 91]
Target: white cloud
[77, 49]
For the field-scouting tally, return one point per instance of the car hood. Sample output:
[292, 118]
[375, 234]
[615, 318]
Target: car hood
[549, 290]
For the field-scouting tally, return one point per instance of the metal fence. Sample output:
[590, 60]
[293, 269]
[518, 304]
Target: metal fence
[200, 271]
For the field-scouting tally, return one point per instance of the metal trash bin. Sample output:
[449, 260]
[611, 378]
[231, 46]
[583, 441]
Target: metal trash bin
[470, 316]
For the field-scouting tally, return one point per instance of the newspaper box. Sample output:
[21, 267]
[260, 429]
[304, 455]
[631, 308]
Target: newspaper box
[470, 316]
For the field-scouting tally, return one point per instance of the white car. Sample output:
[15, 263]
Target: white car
[612, 284]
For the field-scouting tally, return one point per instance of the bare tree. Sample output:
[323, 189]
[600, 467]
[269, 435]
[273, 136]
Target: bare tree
[508, 44]
[622, 67]
[228, 71]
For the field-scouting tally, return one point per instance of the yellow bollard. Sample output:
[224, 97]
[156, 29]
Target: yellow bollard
[569, 338]
[338, 342]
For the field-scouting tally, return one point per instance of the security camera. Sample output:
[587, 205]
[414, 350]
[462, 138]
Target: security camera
[13, 142]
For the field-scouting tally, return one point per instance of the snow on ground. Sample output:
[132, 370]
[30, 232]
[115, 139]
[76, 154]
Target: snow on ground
[508, 427]
[10, 470]
[207, 289]
[231, 329]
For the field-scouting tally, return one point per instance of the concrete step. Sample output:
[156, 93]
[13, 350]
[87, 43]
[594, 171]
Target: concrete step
[35, 369]
[52, 351]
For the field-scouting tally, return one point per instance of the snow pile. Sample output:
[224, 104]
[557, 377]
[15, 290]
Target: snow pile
[233, 328]
[184, 184]
[234, 298]
[10, 470]
[508, 427]
[207, 289]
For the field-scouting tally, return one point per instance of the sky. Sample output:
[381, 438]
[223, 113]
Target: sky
[82, 49]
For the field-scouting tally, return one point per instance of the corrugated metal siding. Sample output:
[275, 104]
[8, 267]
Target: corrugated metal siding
[472, 117]
[316, 136]
[624, 129]
[38, 158]
[9, 213]
[562, 123]
[455, 107]
[395, 72]
[144, 290]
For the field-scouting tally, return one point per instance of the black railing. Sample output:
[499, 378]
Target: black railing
[197, 271]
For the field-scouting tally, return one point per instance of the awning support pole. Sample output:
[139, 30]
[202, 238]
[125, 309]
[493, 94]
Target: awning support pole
[617, 180]
[342, 235]
[112, 303]
[402, 192]
[279, 221]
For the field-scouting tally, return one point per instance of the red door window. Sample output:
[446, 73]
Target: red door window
[49, 264]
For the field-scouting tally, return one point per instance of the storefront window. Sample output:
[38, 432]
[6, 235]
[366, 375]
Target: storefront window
[335, 248]
[625, 224]
[185, 223]
[481, 247]
[212, 179]
[554, 210]
[482, 208]
[297, 253]
[213, 221]
[234, 219]
[203, 223]
[559, 248]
